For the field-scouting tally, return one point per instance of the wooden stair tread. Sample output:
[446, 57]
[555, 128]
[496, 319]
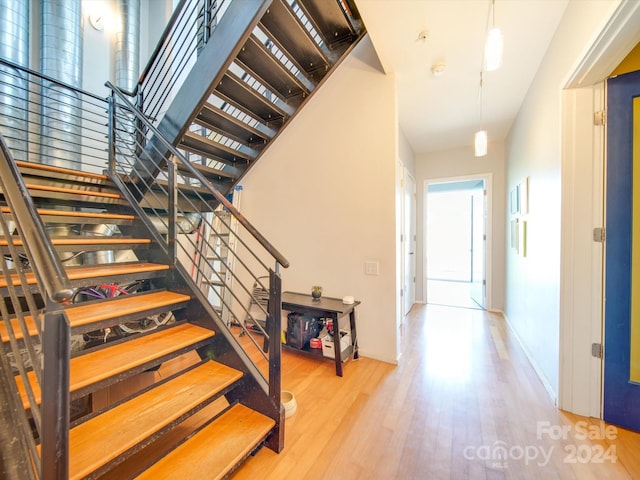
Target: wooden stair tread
[86, 240]
[93, 271]
[73, 191]
[86, 314]
[216, 449]
[53, 168]
[103, 438]
[121, 306]
[70, 213]
[165, 442]
[100, 365]
[15, 326]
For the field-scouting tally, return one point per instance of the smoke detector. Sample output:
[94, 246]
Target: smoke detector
[438, 69]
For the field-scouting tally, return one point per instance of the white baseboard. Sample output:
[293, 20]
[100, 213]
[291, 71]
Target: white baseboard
[364, 353]
[543, 378]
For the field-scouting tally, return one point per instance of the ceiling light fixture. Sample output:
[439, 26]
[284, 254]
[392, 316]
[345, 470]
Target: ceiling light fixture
[480, 143]
[494, 44]
[480, 139]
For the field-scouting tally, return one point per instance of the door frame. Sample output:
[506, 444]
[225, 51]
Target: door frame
[581, 322]
[408, 244]
[483, 240]
[488, 185]
[580, 390]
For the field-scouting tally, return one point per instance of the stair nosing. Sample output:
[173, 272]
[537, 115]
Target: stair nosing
[69, 213]
[92, 271]
[90, 193]
[85, 240]
[53, 168]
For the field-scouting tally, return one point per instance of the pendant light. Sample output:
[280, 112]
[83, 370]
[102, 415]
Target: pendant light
[480, 143]
[494, 44]
[480, 138]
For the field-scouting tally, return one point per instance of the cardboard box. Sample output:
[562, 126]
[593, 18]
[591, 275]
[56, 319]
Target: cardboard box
[327, 343]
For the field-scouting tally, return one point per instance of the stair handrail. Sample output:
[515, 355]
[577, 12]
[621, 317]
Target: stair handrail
[255, 233]
[42, 76]
[43, 255]
[154, 85]
[177, 12]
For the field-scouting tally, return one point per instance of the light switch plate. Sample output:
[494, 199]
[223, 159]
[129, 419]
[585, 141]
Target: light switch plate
[371, 267]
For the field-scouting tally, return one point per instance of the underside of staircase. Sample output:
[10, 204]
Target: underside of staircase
[96, 294]
[257, 70]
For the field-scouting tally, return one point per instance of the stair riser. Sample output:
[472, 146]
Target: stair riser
[79, 393]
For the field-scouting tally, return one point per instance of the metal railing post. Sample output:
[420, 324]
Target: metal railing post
[206, 18]
[111, 158]
[139, 126]
[55, 396]
[274, 328]
[172, 233]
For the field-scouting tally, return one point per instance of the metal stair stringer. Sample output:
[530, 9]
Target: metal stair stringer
[240, 96]
[213, 61]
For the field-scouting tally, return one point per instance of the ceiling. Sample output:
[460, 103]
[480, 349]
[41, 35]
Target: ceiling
[440, 113]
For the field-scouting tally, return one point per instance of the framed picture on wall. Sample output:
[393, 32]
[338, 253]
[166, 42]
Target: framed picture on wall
[522, 238]
[514, 200]
[524, 196]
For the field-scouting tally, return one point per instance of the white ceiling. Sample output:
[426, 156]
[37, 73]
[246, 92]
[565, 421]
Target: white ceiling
[444, 112]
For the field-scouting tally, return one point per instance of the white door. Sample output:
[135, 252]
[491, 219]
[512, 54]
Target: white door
[409, 241]
[479, 246]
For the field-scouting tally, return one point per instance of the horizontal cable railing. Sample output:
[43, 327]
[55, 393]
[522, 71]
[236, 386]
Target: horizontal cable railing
[240, 271]
[185, 35]
[36, 334]
[50, 122]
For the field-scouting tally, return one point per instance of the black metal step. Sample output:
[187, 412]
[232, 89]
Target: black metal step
[331, 22]
[253, 101]
[236, 129]
[256, 59]
[285, 29]
[216, 151]
[214, 175]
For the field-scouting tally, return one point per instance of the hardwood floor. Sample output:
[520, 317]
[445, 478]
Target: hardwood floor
[464, 403]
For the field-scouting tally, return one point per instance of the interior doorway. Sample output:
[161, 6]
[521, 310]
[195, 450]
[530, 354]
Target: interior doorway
[456, 236]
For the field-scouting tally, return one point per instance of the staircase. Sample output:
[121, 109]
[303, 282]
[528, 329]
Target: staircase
[258, 63]
[101, 232]
[122, 436]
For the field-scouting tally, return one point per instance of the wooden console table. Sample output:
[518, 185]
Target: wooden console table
[326, 307]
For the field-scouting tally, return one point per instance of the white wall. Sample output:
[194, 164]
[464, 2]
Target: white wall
[99, 45]
[534, 149]
[406, 154]
[461, 162]
[324, 193]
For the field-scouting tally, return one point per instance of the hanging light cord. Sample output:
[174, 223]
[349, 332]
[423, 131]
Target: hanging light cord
[480, 98]
[493, 13]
